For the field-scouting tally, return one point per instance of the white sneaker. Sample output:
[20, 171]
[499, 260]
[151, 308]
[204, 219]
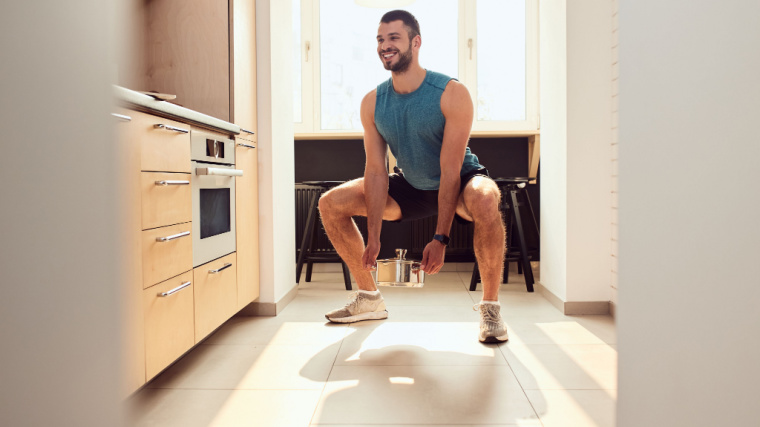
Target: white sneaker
[362, 306]
[492, 327]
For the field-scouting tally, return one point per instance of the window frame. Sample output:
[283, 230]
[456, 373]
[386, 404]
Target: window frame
[310, 126]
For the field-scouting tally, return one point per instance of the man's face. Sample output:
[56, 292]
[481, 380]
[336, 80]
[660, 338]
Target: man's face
[394, 46]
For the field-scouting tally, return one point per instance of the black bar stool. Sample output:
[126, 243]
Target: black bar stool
[510, 189]
[306, 253]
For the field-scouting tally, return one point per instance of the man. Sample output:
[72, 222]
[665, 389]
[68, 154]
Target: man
[425, 118]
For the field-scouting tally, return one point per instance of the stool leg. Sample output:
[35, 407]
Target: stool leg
[346, 276]
[307, 235]
[308, 271]
[475, 277]
[309, 261]
[510, 229]
[532, 212]
[527, 271]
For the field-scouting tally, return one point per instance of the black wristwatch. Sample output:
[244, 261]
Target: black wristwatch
[441, 238]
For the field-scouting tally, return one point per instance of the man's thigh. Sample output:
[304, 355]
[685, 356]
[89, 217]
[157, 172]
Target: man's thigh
[349, 198]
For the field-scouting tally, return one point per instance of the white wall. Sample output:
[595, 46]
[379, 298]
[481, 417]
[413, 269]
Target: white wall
[689, 296]
[59, 299]
[275, 145]
[553, 93]
[589, 95]
[575, 149]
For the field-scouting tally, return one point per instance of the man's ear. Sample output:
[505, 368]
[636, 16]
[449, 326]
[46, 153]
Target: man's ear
[417, 41]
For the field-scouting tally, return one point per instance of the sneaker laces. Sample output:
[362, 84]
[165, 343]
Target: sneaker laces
[489, 314]
[353, 299]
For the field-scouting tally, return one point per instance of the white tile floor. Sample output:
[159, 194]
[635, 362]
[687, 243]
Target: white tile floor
[421, 366]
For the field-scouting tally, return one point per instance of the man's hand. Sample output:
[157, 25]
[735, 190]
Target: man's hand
[369, 258]
[432, 257]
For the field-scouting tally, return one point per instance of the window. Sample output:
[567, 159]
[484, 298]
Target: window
[489, 45]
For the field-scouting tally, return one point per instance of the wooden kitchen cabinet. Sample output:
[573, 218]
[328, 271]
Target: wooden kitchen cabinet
[204, 52]
[166, 252]
[130, 268]
[164, 143]
[215, 294]
[247, 220]
[166, 199]
[169, 322]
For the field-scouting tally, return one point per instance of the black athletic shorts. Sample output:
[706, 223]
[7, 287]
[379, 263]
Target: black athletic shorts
[416, 204]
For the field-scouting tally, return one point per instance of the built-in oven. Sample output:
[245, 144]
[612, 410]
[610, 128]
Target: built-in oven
[213, 185]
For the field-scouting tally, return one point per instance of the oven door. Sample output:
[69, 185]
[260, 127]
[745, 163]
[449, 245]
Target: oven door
[213, 211]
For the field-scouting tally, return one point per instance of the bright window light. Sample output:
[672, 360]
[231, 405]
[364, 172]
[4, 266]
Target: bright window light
[350, 66]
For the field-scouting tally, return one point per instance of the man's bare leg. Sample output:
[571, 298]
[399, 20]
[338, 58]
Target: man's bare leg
[336, 208]
[480, 202]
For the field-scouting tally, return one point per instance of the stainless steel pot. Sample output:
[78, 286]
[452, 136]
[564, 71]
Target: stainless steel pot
[399, 272]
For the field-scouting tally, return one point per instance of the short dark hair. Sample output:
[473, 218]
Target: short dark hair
[412, 26]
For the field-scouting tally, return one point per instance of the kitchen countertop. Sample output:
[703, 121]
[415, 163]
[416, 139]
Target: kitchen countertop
[145, 102]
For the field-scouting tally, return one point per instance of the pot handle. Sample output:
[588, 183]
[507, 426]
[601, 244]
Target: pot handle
[400, 253]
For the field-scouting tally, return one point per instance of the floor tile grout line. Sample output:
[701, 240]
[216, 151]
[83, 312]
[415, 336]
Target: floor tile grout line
[324, 387]
[520, 384]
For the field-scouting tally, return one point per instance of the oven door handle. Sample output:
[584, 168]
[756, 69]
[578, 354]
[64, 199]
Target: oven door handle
[218, 171]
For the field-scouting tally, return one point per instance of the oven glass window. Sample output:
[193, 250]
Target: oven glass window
[215, 211]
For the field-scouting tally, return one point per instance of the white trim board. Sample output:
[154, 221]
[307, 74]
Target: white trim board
[574, 307]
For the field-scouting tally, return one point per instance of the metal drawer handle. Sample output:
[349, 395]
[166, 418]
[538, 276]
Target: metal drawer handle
[218, 171]
[172, 237]
[170, 182]
[247, 131]
[175, 290]
[122, 117]
[226, 266]
[240, 144]
[167, 127]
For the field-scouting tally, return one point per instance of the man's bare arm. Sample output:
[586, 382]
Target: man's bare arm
[457, 108]
[375, 179]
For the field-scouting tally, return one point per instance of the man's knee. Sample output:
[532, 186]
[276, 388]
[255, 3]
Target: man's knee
[327, 203]
[483, 203]
[340, 200]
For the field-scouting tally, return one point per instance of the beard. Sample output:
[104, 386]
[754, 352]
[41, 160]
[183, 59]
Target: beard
[404, 60]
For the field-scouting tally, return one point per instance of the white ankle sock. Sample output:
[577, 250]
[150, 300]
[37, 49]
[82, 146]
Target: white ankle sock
[490, 302]
[369, 292]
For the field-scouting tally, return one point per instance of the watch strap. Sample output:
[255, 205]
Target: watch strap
[441, 238]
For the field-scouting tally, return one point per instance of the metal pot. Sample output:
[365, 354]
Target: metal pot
[399, 272]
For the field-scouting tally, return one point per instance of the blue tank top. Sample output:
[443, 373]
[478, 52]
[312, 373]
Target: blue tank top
[412, 125]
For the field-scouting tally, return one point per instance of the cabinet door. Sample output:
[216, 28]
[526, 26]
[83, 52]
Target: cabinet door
[169, 330]
[215, 294]
[130, 277]
[247, 222]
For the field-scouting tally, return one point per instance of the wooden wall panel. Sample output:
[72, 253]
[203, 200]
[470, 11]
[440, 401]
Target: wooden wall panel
[188, 53]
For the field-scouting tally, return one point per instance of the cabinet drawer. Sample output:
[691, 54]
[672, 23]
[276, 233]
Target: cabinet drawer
[215, 294]
[166, 252]
[169, 328]
[165, 204]
[164, 144]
